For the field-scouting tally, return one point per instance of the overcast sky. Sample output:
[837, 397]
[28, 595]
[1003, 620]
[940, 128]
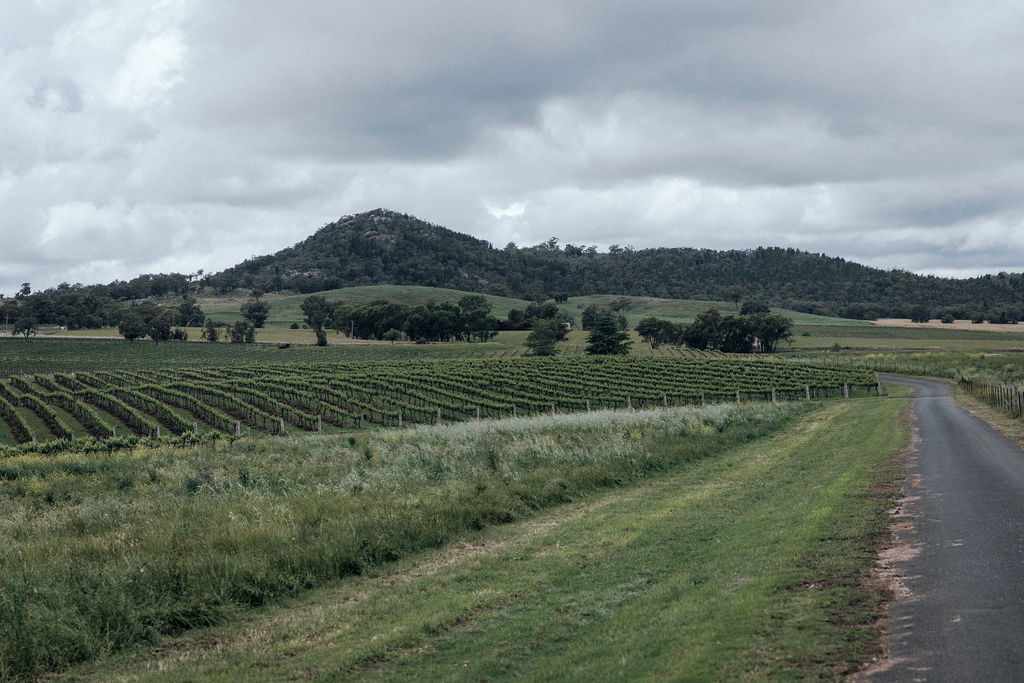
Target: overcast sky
[156, 135]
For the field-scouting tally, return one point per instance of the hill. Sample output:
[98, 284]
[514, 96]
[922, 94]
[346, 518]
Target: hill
[287, 308]
[385, 247]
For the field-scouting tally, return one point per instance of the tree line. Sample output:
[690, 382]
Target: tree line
[469, 320]
[758, 331]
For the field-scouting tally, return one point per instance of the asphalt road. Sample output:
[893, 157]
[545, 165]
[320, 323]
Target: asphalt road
[960, 549]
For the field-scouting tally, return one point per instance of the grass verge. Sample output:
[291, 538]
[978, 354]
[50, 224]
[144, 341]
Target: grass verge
[106, 551]
[1010, 427]
[750, 565]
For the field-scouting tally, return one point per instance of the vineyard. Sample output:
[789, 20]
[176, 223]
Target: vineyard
[275, 398]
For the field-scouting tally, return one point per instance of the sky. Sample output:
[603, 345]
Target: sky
[172, 135]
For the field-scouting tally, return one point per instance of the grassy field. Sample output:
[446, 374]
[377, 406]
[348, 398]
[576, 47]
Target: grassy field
[286, 309]
[106, 551]
[811, 332]
[903, 338]
[806, 338]
[1006, 367]
[685, 310]
[752, 564]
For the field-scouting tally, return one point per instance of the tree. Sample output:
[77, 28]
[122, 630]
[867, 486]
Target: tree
[189, 313]
[242, 332]
[771, 329]
[656, 331]
[392, 335]
[606, 338]
[318, 313]
[920, 314]
[705, 331]
[25, 326]
[211, 333]
[132, 326]
[736, 334]
[754, 307]
[734, 294]
[256, 312]
[159, 325]
[544, 337]
[25, 291]
[590, 314]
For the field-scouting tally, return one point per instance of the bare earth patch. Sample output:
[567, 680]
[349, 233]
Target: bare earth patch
[955, 325]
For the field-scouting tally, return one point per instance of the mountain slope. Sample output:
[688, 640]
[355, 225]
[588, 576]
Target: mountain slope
[385, 247]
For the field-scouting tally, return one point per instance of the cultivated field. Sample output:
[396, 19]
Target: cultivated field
[280, 398]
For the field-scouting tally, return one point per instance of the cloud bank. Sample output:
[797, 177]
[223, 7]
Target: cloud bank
[142, 136]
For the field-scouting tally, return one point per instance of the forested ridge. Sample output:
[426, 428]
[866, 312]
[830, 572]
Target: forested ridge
[385, 247]
[381, 246]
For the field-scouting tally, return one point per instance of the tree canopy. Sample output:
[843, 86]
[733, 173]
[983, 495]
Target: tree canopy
[606, 337]
[544, 337]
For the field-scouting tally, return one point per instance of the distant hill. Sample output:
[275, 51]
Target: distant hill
[385, 247]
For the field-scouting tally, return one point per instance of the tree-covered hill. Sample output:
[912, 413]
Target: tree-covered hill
[383, 246]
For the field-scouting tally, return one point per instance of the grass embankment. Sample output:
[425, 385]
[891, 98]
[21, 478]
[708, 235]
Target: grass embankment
[103, 552]
[748, 565]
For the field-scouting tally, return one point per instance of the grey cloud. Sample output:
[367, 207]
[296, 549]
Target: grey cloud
[141, 136]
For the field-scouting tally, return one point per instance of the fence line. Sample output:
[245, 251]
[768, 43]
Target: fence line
[1008, 398]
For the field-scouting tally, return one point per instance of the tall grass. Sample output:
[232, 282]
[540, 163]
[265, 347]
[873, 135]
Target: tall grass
[100, 552]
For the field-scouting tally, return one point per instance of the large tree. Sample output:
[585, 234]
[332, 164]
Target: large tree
[25, 326]
[318, 315]
[256, 312]
[189, 313]
[705, 331]
[606, 338]
[132, 326]
[544, 337]
[771, 329]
